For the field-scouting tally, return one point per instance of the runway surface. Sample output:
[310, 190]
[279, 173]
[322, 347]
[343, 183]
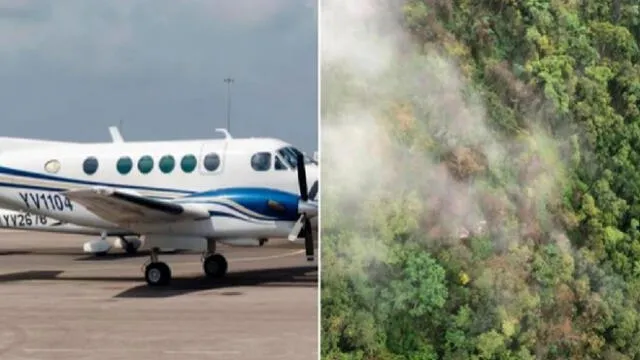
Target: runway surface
[58, 303]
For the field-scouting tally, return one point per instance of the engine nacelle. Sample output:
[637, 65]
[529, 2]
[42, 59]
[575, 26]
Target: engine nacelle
[247, 242]
[96, 247]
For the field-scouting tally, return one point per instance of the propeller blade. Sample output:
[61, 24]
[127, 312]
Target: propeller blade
[314, 190]
[302, 177]
[308, 239]
[293, 235]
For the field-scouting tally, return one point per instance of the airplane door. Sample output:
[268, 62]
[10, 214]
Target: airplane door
[212, 158]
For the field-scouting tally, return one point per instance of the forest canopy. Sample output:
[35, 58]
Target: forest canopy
[481, 190]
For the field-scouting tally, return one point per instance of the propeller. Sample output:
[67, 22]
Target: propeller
[303, 223]
[314, 190]
[302, 178]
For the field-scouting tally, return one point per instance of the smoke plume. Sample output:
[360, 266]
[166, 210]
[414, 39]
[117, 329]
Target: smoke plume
[402, 121]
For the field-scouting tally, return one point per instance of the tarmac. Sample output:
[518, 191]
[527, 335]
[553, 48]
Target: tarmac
[58, 303]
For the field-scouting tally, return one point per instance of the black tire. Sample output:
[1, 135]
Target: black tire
[215, 266]
[157, 274]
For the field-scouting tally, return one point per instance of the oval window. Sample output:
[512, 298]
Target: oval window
[145, 164]
[52, 166]
[90, 165]
[212, 162]
[261, 161]
[188, 163]
[124, 165]
[167, 163]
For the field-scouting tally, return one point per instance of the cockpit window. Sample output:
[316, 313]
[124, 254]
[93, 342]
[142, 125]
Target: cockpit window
[290, 156]
[261, 161]
[279, 165]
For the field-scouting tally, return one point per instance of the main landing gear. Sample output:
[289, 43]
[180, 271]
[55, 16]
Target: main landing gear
[214, 265]
[157, 273]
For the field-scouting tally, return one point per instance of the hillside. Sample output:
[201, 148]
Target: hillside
[481, 190]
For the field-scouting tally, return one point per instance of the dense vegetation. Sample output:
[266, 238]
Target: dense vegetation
[555, 271]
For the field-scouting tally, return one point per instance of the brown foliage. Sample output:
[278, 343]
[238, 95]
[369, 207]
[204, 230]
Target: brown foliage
[512, 90]
[495, 208]
[465, 162]
[404, 116]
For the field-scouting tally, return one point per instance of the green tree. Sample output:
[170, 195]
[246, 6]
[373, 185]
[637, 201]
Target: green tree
[553, 170]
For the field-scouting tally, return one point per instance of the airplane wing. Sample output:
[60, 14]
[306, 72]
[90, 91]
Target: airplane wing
[122, 207]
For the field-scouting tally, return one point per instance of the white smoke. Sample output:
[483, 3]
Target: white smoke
[370, 70]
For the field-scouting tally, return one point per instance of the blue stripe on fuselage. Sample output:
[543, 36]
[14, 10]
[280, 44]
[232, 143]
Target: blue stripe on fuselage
[38, 176]
[251, 198]
[248, 191]
[254, 199]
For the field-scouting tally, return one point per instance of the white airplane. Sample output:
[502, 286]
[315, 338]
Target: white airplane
[177, 194]
[126, 240]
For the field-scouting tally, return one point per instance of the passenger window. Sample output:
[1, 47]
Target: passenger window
[212, 162]
[188, 163]
[90, 165]
[261, 161]
[280, 165]
[145, 164]
[167, 164]
[124, 165]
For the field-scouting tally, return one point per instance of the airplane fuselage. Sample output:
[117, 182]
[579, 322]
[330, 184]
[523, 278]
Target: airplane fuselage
[32, 179]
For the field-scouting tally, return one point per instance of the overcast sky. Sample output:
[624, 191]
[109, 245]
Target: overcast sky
[71, 68]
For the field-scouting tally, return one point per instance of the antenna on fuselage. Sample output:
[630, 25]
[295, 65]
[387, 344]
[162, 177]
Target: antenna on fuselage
[225, 132]
[116, 137]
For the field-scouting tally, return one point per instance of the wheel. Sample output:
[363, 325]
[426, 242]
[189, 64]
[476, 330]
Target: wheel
[101, 254]
[215, 266]
[157, 274]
